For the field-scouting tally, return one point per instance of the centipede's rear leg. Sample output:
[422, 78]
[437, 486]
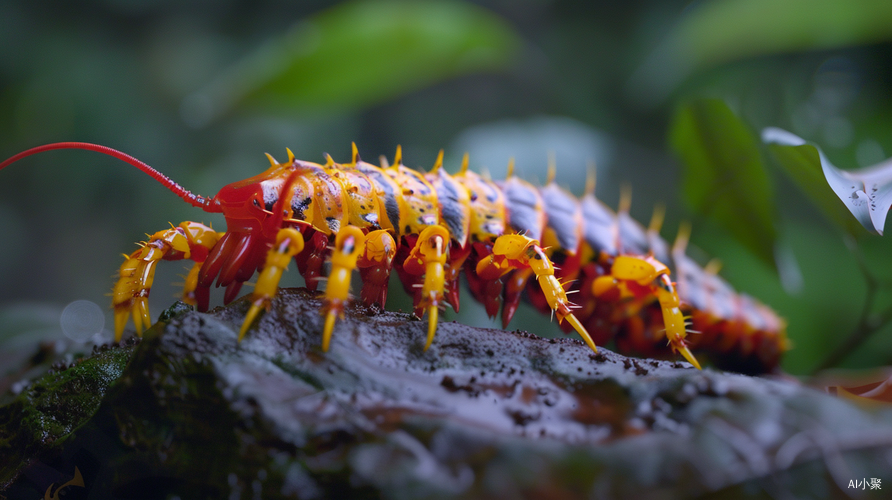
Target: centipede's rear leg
[639, 280]
[516, 251]
[189, 240]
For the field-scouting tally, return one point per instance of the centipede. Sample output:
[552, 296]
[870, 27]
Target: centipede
[508, 238]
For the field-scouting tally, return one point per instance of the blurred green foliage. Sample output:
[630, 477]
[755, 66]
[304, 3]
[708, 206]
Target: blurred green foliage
[728, 30]
[360, 53]
[201, 89]
[724, 177]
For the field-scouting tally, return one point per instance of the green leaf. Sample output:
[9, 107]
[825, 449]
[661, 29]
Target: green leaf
[731, 29]
[865, 194]
[360, 53]
[724, 177]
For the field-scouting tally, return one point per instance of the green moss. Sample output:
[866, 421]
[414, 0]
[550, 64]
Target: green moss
[54, 406]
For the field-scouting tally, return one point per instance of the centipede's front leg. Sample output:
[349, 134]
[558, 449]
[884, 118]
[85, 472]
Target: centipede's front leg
[189, 240]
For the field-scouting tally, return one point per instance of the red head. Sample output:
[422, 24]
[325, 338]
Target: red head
[264, 201]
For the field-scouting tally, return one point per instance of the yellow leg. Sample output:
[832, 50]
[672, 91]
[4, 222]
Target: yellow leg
[514, 251]
[349, 244]
[673, 319]
[434, 255]
[676, 333]
[648, 271]
[191, 284]
[289, 242]
[557, 297]
[131, 292]
[429, 256]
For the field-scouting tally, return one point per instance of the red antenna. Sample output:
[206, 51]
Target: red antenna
[206, 204]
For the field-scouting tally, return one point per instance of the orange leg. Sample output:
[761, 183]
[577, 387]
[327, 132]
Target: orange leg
[454, 265]
[375, 264]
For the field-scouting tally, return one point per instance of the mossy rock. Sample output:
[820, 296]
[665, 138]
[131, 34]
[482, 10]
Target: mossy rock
[484, 413]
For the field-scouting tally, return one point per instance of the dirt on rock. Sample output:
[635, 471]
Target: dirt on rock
[482, 413]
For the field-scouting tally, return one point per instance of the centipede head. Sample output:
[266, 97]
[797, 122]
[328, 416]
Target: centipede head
[255, 210]
[261, 203]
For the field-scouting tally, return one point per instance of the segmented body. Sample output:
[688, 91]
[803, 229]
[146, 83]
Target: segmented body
[734, 330]
[430, 227]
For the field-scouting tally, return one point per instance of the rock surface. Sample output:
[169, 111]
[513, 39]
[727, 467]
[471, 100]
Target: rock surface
[188, 412]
